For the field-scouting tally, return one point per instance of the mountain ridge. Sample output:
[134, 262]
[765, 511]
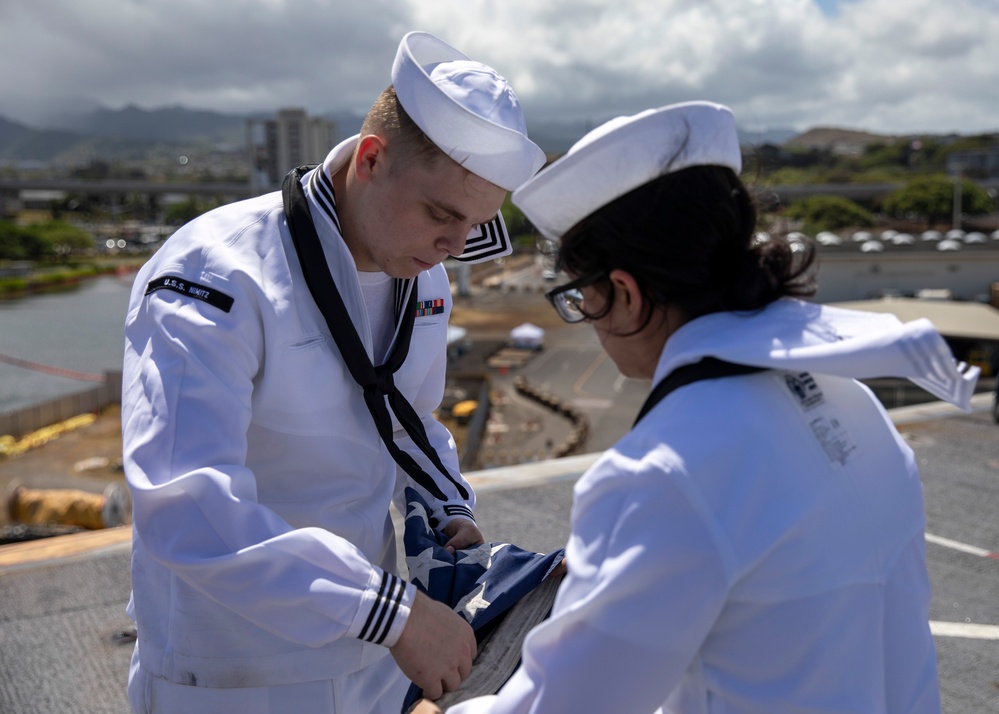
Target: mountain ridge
[126, 131]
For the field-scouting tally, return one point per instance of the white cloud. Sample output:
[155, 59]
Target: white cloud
[235, 56]
[891, 66]
[883, 65]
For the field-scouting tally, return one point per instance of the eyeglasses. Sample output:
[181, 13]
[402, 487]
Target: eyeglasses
[568, 299]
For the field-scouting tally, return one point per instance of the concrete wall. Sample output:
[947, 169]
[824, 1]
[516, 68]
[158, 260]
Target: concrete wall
[857, 276]
[32, 418]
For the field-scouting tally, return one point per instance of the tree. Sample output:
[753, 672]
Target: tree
[54, 240]
[63, 239]
[827, 213]
[516, 223]
[15, 242]
[896, 153]
[177, 214]
[932, 198]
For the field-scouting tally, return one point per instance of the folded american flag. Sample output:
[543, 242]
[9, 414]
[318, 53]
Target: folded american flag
[480, 583]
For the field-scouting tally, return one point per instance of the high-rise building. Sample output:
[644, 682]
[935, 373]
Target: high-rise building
[292, 138]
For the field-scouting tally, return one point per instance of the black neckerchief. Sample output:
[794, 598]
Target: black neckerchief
[377, 382]
[706, 368]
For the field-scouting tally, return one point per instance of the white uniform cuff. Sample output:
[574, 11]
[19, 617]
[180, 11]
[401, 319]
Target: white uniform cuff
[449, 511]
[385, 607]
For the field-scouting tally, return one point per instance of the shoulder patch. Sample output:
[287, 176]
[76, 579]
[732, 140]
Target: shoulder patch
[828, 430]
[804, 388]
[185, 287]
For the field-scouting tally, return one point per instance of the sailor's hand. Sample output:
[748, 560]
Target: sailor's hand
[463, 533]
[560, 569]
[436, 648]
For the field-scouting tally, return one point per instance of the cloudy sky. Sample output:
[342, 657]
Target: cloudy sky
[888, 66]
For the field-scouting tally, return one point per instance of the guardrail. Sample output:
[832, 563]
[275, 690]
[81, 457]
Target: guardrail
[29, 419]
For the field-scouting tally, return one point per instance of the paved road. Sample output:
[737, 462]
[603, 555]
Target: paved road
[959, 464]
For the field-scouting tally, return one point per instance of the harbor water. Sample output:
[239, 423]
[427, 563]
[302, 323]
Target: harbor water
[78, 331]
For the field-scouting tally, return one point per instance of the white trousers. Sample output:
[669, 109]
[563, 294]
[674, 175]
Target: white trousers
[377, 689]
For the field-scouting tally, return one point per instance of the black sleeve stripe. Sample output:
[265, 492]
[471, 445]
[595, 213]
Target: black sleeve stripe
[381, 606]
[387, 610]
[383, 610]
[396, 601]
[452, 510]
[374, 607]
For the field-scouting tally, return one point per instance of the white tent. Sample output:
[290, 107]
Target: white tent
[455, 334]
[527, 335]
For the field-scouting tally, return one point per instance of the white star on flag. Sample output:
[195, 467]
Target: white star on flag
[482, 554]
[469, 605]
[419, 513]
[421, 565]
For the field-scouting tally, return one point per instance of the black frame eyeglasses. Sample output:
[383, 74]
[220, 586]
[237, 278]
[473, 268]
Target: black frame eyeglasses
[568, 299]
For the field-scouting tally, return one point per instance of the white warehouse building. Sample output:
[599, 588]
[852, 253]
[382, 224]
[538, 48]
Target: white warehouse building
[958, 265]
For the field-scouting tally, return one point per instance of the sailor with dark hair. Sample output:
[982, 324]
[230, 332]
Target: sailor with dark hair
[755, 543]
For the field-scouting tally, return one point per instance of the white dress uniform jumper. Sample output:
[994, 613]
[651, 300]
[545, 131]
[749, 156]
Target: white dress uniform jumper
[263, 440]
[242, 488]
[755, 544]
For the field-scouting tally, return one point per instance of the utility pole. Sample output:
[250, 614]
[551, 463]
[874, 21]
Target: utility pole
[464, 272]
[956, 220]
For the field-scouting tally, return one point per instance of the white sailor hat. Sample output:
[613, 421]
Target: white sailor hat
[466, 109]
[624, 154]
